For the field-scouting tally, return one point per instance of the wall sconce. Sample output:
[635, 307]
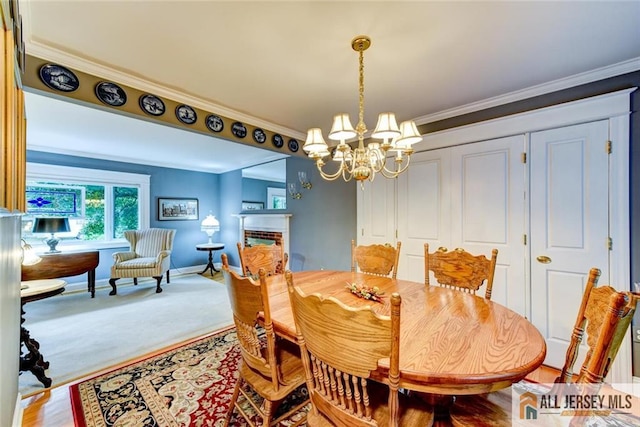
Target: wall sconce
[29, 256]
[302, 177]
[293, 191]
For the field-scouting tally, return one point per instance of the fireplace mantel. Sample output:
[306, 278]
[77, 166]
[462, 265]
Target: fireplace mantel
[266, 222]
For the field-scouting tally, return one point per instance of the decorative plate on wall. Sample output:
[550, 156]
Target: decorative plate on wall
[259, 136]
[293, 145]
[277, 140]
[111, 94]
[239, 130]
[59, 78]
[186, 114]
[151, 104]
[214, 123]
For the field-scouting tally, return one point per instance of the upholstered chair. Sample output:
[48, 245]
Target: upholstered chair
[149, 256]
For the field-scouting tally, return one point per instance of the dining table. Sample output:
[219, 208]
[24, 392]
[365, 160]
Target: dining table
[451, 342]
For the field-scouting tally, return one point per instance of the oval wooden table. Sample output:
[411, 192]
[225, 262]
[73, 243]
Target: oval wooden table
[451, 343]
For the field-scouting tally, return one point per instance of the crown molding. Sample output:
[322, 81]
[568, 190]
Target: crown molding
[56, 55]
[533, 91]
[103, 71]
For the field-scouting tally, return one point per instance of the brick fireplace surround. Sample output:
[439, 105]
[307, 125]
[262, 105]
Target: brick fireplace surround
[266, 226]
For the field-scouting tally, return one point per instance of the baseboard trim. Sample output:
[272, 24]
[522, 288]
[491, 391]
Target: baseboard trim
[102, 284]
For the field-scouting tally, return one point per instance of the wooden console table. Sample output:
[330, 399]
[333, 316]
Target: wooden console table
[64, 264]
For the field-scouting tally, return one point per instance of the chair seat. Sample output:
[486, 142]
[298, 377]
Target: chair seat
[149, 262]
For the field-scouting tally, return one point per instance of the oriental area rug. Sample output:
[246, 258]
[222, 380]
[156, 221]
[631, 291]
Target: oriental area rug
[191, 385]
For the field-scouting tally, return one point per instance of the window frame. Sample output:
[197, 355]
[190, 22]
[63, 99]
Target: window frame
[85, 176]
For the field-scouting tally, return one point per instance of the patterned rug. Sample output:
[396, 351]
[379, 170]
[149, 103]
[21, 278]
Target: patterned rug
[188, 386]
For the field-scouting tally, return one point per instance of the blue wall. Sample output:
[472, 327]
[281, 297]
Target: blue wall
[323, 221]
[255, 190]
[164, 182]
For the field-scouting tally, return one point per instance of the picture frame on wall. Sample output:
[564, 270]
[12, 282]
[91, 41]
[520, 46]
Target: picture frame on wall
[252, 206]
[175, 209]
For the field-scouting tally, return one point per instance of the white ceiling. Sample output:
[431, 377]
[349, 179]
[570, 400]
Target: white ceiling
[289, 66]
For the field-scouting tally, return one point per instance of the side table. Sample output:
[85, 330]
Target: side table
[211, 247]
[34, 290]
[65, 264]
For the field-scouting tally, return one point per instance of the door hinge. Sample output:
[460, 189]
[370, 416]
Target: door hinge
[608, 147]
[396, 233]
[610, 243]
[362, 232]
[523, 157]
[524, 239]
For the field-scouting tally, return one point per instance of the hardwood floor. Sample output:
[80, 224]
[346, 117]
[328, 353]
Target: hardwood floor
[52, 408]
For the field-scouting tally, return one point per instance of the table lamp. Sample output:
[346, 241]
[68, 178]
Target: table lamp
[51, 225]
[210, 225]
[29, 257]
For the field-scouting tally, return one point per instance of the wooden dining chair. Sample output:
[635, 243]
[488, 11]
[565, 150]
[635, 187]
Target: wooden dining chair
[271, 258]
[605, 315]
[381, 260]
[270, 368]
[341, 347]
[460, 270]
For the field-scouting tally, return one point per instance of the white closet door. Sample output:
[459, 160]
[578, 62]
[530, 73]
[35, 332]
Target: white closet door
[423, 210]
[376, 212]
[569, 226]
[488, 211]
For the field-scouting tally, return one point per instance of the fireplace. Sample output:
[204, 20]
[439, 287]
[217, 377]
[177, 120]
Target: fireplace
[265, 229]
[254, 237]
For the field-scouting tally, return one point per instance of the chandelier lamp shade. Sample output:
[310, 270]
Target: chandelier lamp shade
[210, 225]
[389, 157]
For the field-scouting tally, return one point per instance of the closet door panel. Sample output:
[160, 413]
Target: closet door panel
[423, 210]
[376, 212]
[488, 211]
[569, 226]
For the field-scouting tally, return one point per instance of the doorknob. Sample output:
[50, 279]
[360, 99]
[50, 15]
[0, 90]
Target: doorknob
[543, 259]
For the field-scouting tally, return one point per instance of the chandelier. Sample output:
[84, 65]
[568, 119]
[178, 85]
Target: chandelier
[363, 163]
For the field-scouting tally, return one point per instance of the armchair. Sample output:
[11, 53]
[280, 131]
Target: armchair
[149, 256]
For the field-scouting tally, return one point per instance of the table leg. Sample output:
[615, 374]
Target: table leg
[92, 282]
[210, 264]
[441, 408]
[33, 360]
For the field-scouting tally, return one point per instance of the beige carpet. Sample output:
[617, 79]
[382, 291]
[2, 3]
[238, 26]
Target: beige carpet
[79, 335]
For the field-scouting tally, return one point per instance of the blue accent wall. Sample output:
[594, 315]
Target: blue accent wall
[323, 221]
[255, 190]
[164, 182]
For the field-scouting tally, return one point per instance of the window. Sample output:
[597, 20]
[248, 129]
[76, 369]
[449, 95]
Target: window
[99, 204]
[276, 198]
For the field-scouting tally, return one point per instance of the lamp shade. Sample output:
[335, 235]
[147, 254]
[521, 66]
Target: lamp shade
[387, 127]
[342, 129]
[410, 135]
[51, 225]
[210, 225]
[314, 144]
